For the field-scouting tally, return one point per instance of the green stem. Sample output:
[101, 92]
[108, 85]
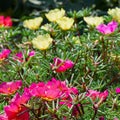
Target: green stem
[95, 113]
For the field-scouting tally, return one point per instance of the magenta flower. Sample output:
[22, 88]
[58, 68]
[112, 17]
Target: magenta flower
[20, 56]
[4, 54]
[5, 21]
[103, 95]
[93, 94]
[31, 54]
[16, 110]
[44, 91]
[3, 117]
[117, 90]
[1, 20]
[52, 90]
[101, 118]
[8, 21]
[61, 65]
[107, 29]
[8, 88]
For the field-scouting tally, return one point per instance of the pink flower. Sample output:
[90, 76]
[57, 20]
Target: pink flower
[44, 91]
[3, 117]
[31, 54]
[52, 90]
[5, 21]
[73, 90]
[16, 110]
[4, 54]
[49, 94]
[9, 88]
[61, 65]
[95, 94]
[101, 118]
[57, 84]
[103, 95]
[20, 56]
[117, 90]
[107, 29]
[1, 20]
[8, 21]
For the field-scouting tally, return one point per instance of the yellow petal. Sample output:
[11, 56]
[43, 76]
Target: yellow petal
[115, 13]
[33, 24]
[55, 14]
[93, 21]
[65, 23]
[42, 42]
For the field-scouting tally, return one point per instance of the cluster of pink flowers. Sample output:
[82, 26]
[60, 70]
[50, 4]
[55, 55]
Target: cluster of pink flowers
[17, 57]
[51, 90]
[21, 58]
[4, 54]
[5, 21]
[16, 106]
[61, 65]
[107, 29]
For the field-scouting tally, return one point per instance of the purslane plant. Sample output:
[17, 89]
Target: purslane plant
[59, 70]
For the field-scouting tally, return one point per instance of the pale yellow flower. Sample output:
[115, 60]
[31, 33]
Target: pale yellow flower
[55, 14]
[115, 13]
[46, 27]
[33, 24]
[65, 23]
[42, 42]
[93, 21]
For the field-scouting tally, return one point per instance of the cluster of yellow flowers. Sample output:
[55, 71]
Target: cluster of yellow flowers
[54, 15]
[43, 42]
[58, 16]
[95, 20]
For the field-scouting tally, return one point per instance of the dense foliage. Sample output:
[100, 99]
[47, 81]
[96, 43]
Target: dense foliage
[60, 65]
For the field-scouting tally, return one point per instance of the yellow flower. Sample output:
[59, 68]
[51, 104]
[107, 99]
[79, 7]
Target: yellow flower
[93, 21]
[55, 14]
[115, 13]
[65, 23]
[46, 27]
[33, 24]
[42, 42]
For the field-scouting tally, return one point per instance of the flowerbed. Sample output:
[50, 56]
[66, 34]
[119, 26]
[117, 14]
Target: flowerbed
[60, 66]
